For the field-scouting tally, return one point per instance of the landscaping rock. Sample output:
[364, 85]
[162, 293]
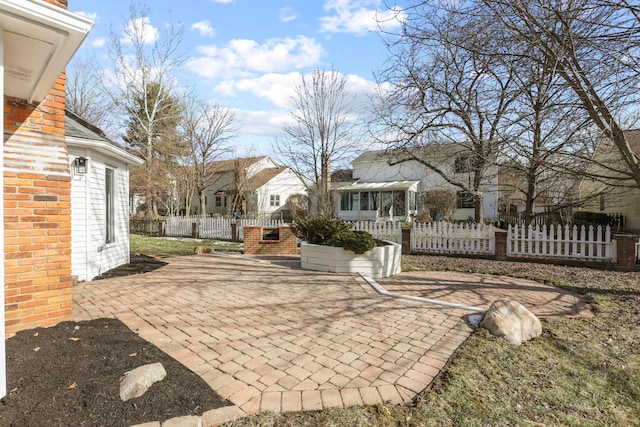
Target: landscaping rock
[203, 250]
[136, 382]
[512, 321]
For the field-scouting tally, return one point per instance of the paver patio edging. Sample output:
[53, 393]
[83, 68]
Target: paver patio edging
[382, 291]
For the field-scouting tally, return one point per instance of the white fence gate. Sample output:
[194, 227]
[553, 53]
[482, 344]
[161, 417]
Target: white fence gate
[593, 244]
[442, 237]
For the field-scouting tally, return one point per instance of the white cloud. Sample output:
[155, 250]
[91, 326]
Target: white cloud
[276, 88]
[204, 28]
[261, 123]
[359, 17]
[287, 14]
[279, 89]
[222, 1]
[99, 42]
[141, 28]
[243, 58]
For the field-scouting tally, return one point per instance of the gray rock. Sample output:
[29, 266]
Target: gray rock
[512, 321]
[136, 382]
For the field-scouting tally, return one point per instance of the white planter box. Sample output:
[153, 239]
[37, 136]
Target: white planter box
[381, 261]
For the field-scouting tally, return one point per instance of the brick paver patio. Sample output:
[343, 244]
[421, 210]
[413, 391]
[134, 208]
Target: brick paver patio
[271, 338]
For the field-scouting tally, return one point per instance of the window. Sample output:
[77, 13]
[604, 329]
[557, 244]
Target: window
[274, 200]
[344, 201]
[602, 202]
[399, 203]
[465, 200]
[221, 201]
[109, 196]
[462, 164]
[355, 201]
[412, 200]
[364, 201]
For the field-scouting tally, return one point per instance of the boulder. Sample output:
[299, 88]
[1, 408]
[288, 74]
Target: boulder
[136, 382]
[512, 321]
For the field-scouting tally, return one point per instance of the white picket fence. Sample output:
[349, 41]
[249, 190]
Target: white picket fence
[212, 227]
[391, 231]
[593, 244]
[442, 237]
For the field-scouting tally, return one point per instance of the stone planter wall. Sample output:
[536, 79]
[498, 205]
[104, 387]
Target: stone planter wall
[381, 261]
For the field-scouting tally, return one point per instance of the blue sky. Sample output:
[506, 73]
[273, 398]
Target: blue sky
[249, 54]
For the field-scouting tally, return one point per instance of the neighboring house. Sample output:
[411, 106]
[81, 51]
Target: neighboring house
[99, 199]
[555, 192]
[384, 188]
[37, 40]
[616, 193]
[257, 186]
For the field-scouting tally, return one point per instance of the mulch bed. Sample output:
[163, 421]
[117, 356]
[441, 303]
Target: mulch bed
[69, 374]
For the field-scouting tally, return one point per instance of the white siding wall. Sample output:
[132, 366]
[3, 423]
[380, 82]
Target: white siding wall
[381, 171]
[284, 185]
[91, 256]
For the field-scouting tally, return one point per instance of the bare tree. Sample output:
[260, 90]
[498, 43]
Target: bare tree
[594, 46]
[322, 132]
[444, 92]
[206, 129]
[143, 85]
[86, 98]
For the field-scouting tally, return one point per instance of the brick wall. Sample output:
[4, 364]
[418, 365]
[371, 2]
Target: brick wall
[255, 245]
[37, 223]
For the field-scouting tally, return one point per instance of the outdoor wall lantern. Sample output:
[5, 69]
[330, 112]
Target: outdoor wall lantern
[80, 166]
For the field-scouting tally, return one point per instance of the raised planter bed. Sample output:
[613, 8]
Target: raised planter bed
[381, 261]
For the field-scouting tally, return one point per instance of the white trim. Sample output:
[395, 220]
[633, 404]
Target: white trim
[45, 25]
[105, 148]
[3, 366]
[368, 186]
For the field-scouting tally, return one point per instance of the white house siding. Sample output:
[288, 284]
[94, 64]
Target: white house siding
[372, 169]
[91, 255]
[285, 184]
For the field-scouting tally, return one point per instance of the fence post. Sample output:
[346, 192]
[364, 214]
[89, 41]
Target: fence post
[234, 231]
[501, 244]
[626, 250]
[406, 240]
[194, 230]
[162, 228]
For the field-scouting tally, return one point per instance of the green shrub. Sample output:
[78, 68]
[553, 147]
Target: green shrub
[357, 241]
[330, 231]
[318, 229]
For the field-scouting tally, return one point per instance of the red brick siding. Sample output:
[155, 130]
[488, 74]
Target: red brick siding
[37, 209]
[254, 245]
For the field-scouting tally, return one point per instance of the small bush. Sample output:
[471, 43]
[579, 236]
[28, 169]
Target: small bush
[330, 231]
[318, 229]
[357, 241]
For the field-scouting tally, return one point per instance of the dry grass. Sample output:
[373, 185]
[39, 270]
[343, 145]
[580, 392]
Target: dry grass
[580, 372]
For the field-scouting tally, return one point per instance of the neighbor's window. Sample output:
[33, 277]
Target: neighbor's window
[355, 201]
[602, 202]
[274, 200]
[344, 201]
[364, 201]
[221, 201]
[465, 200]
[109, 196]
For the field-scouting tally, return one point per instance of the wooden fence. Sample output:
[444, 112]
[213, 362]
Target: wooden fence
[585, 243]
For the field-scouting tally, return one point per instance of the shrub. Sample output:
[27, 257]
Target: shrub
[318, 229]
[330, 231]
[357, 241]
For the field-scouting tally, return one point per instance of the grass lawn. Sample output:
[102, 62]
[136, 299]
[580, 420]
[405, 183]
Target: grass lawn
[580, 372]
[177, 246]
